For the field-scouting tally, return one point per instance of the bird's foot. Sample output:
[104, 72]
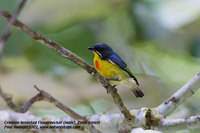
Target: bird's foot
[107, 86]
[113, 88]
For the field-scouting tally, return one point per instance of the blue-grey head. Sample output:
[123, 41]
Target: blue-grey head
[102, 49]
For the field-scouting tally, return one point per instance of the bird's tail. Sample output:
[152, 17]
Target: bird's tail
[132, 84]
[137, 92]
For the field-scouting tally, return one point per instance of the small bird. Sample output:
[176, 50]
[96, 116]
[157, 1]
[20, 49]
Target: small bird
[113, 68]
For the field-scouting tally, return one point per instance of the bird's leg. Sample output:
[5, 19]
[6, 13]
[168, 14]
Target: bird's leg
[112, 79]
[109, 79]
[114, 86]
[108, 86]
[115, 89]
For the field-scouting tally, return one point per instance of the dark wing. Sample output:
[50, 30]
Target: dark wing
[131, 75]
[116, 59]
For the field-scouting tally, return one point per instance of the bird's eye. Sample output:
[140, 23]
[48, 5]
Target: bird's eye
[101, 48]
[98, 49]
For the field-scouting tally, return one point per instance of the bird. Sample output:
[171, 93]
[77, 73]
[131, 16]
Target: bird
[111, 66]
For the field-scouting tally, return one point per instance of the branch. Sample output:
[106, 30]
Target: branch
[42, 96]
[147, 118]
[110, 122]
[180, 96]
[180, 123]
[6, 32]
[73, 57]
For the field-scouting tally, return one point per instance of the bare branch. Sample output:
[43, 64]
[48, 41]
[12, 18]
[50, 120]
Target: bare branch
[180, 123]
[43, 96]
[73, 57]
[180, 96]
[46, 96]
[6, 32]
[8, 99]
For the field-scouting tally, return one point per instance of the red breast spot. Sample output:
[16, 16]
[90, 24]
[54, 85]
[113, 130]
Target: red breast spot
[97, 65]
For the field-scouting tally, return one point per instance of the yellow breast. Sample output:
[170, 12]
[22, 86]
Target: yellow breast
[107, 69]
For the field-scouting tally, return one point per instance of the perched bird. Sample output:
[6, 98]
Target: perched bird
[113, 68]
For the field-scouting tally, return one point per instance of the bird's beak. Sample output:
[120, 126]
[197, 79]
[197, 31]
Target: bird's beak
[91, 48]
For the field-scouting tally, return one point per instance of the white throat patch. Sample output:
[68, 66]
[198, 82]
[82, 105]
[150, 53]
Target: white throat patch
[99, 54]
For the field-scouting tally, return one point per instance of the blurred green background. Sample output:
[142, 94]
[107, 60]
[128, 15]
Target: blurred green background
[159, 40]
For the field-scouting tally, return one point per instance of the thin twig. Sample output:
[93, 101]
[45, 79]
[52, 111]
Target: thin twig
[73, 57]
[44, 96]
[6, 32]
[8, 99]
[181, 95]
